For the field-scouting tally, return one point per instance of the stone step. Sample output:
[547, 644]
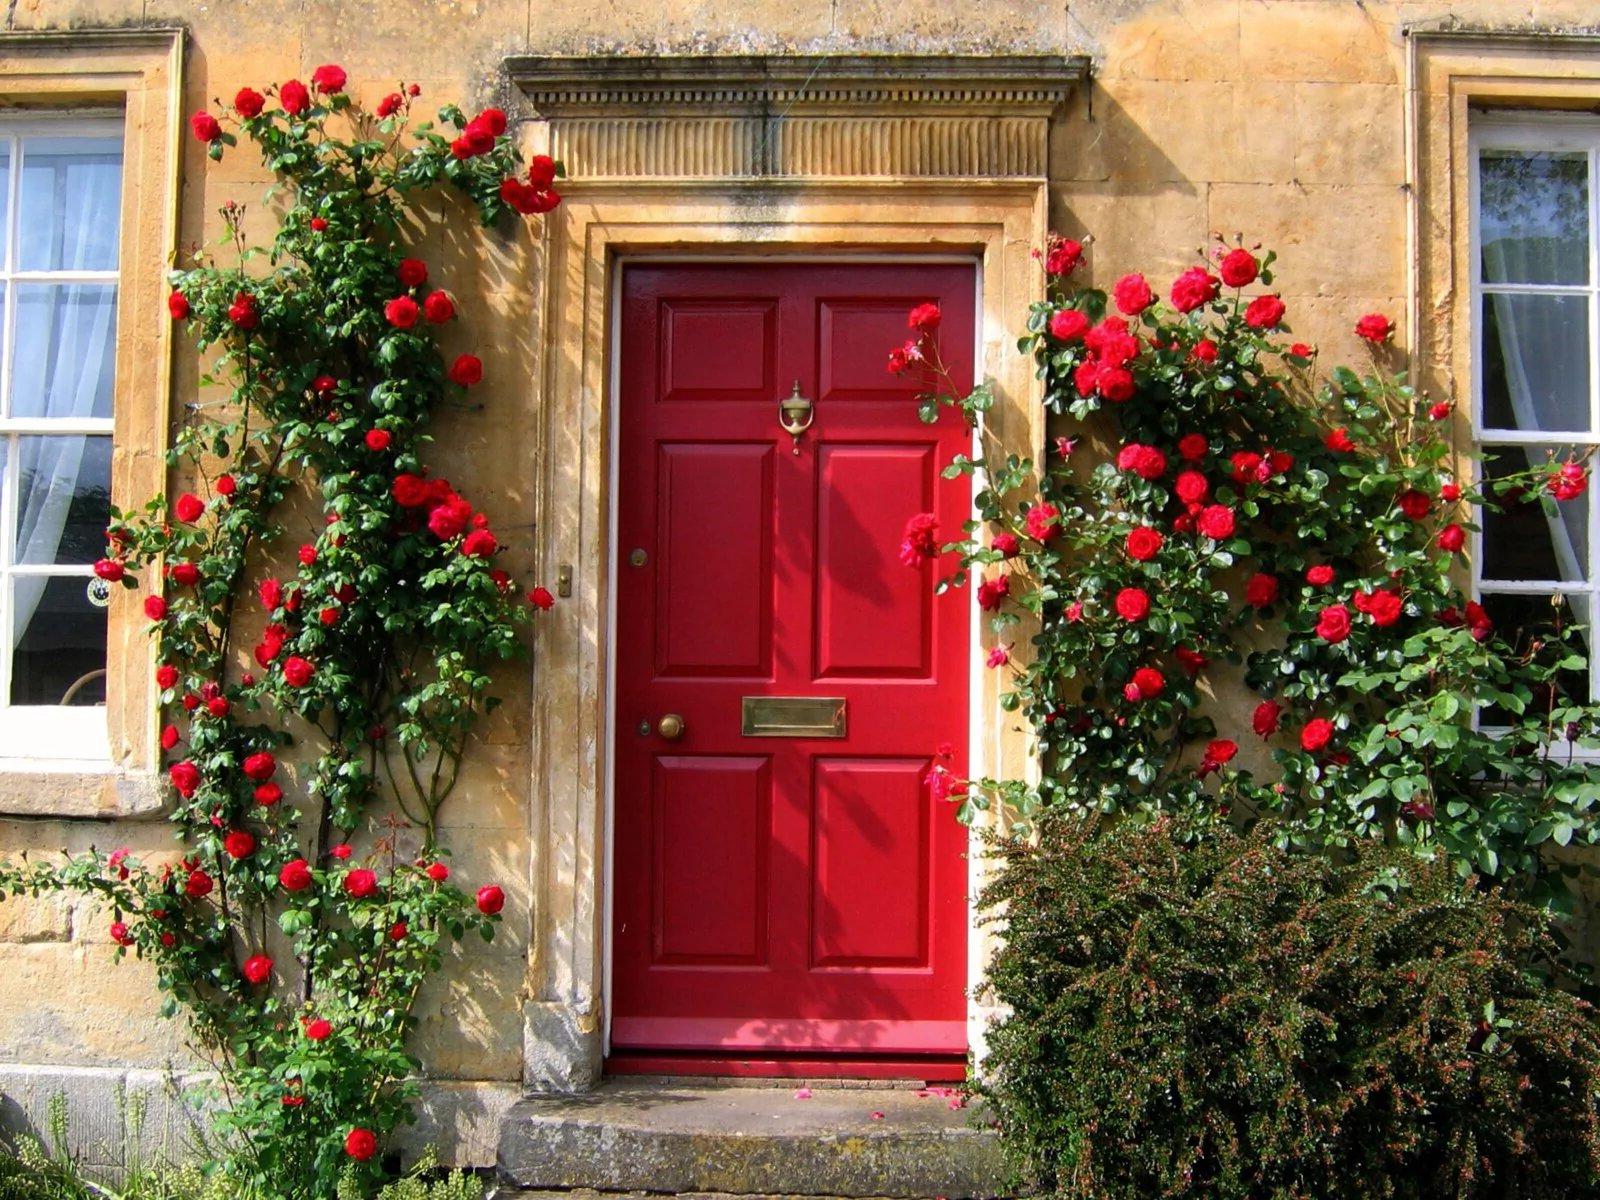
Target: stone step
[630, 1136]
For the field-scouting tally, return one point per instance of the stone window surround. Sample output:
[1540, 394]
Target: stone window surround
[140, 72]
[744, 157]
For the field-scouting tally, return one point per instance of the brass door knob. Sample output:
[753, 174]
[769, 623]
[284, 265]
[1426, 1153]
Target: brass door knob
[670, 727]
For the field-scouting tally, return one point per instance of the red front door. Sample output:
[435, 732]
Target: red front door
[797, 895]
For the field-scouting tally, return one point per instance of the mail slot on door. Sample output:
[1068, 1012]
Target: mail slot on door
[793, 716]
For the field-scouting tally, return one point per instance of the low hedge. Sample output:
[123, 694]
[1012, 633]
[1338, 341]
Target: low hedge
[1194, 1013]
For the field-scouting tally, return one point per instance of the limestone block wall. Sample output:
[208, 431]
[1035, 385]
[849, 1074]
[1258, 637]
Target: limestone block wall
[1281, 119]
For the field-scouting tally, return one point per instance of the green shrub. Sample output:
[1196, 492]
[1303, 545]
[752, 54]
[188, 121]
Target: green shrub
[1194, 1013]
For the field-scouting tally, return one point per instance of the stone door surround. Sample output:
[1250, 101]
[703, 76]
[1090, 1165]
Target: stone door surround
[799, 156]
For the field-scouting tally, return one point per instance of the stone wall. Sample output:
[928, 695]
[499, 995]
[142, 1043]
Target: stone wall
[1280, 119]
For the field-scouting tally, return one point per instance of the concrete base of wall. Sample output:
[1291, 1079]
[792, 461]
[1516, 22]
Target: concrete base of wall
[460, 1120]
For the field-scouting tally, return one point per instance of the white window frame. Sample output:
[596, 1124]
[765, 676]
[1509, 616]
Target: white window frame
[62, 735]
[1558, 133]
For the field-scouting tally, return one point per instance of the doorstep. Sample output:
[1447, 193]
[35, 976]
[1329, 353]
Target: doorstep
[680, 1138]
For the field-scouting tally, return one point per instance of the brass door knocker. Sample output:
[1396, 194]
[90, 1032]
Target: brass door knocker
[795, 414]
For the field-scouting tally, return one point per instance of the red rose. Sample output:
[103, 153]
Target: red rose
[1413, 503]
[1265, 718]
[1318, 732]
[1144, 543]
[260, 766]
[268, 794]
[120, 934]
[1193, 661]
[1338, 440]
[185, 777]
[242, 312]
[294, 97]
[307, 553]
[1042, 522]
[218, 707]
[317, 1029]
[480, 543]
[328, 78]
[919, 542]
[992, 593]
[256, 969]
[447, 520]
[398, 931]
[409, 491]
[1238, 268]
[295, 875]
[1439, 411]
[1115, 384]
[1333, 623]
[490, 900]
[378, 440]
[166, 676]
[1068, 325]
[541, 171]
[189, 507]
[1132, 604]
[271, 593]
[467, 370]
[178, 305]
[1191, 487]
[297, 671]
[401, 312]
[248, 102]
[924, 317]
[1192, 447]
[1375, 327]
[1263, 312]
[390, 104]
[323, 384]
[1086, 377]
[1132, 294]
[1205, 350]
[239, 843]
[1383, 606]
[1216, 521]
[438, 308]
[1301, 350]
[169, 736]
[328, 616]
[1261, 590]
[360, 883]
[1451, 538]
[226, 485]
[1111, 342]
[155, 607]
[1450, 492]
[541, 599]
[341, 851]
[1194, 287]
[1217, 754]
[198, 885]
[1148, 683]
[1144, 461]
[492, 119]
[438, 872]
[1320, 576]
[205, 127]
[1568, 483]
[185, 573]
[361, 1144]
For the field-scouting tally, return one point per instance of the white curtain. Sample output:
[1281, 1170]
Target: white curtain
[65, 343]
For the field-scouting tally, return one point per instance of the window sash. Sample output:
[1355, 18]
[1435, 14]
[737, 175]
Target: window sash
[58, 734]
[1552, 133]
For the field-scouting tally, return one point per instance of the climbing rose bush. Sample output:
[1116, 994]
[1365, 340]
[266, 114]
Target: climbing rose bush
[1217, 514]
[325, 614]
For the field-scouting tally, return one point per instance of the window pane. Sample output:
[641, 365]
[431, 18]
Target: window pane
[1533, 212]
[63, 499]
[71, 196]
[1536, 362]
[1521, 620]
[64, 361]
[1524, 541]
[59, 642]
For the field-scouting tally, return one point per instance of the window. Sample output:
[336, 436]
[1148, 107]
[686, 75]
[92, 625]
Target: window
[60, 204]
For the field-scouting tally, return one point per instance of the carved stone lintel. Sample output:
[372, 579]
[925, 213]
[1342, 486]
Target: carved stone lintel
[800, 116]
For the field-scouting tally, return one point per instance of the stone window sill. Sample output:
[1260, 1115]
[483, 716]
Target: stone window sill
[35, 788]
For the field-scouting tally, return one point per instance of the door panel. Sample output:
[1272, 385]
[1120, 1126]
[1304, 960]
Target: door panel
[785, 894]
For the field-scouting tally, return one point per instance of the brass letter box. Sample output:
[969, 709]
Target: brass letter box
[793, 716]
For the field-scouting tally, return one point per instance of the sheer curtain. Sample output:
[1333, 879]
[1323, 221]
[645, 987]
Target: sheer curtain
[65, 337]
